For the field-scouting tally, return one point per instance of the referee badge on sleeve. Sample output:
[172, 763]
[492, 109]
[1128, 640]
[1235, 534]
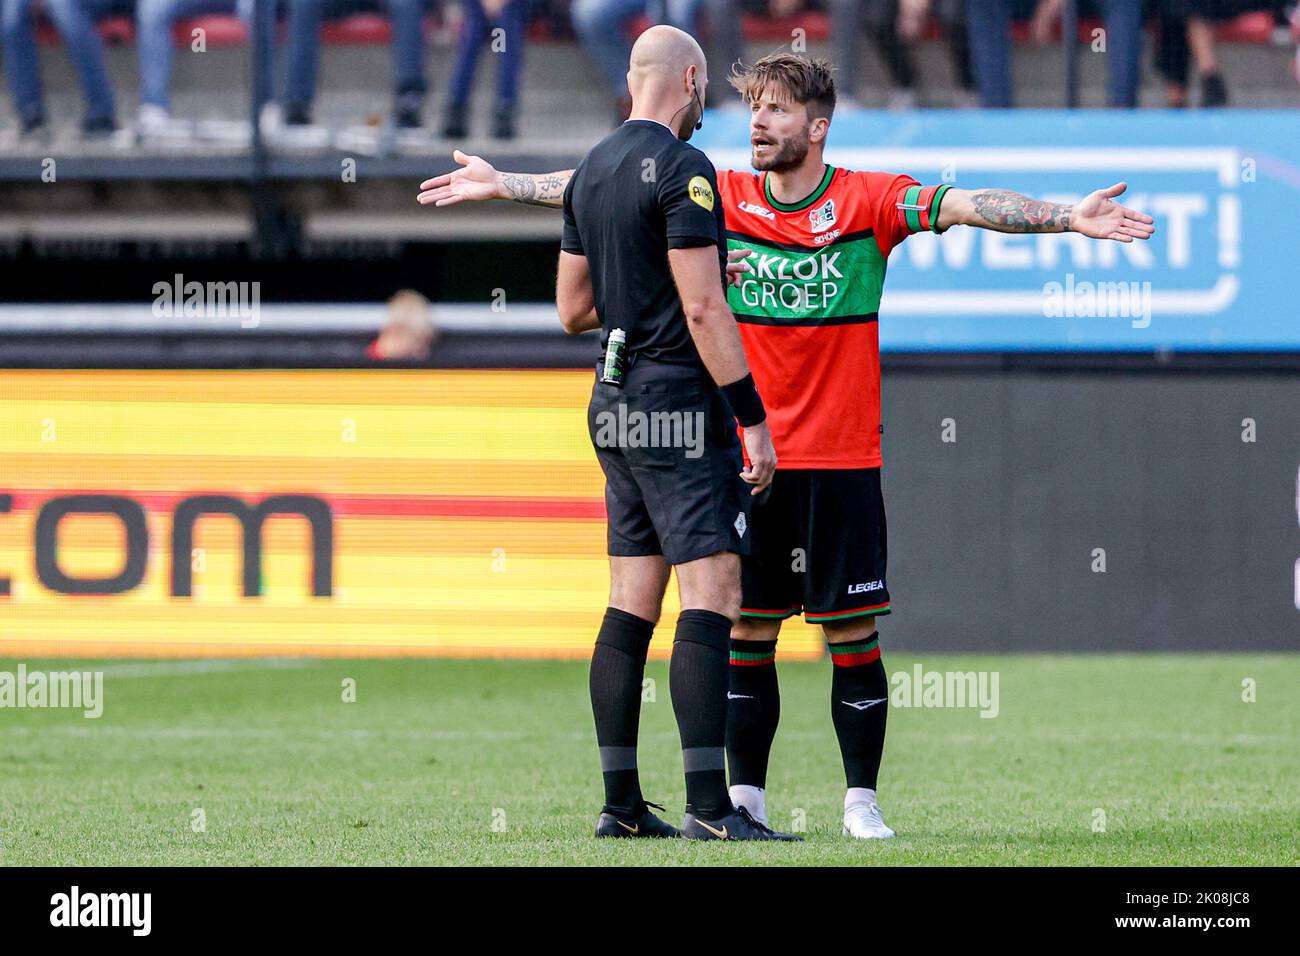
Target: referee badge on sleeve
[701, 192]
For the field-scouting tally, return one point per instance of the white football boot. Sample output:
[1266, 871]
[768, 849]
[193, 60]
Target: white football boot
[862, 817]
[752, 799]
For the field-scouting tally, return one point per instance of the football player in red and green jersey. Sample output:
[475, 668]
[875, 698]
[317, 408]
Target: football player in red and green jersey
[816, 240]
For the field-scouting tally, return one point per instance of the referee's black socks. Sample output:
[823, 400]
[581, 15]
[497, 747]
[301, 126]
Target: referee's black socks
[617, 669]
[698, 676]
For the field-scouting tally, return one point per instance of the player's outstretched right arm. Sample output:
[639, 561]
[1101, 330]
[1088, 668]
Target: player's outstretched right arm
[478, 180]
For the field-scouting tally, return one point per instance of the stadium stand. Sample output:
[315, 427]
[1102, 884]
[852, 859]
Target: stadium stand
[1254, 45]
[218, 184]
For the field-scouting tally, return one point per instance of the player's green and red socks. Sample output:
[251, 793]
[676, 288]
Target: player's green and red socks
[859, 708]
[753, 712]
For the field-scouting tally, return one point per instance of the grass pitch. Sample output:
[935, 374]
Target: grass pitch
[1092, 760]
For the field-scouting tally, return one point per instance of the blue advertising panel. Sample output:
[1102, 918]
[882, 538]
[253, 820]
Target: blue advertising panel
[1223, 186]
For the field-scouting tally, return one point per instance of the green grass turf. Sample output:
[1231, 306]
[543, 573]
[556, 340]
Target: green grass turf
[413, 772]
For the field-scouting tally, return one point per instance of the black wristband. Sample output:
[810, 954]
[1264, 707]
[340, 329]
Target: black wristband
[745, 404]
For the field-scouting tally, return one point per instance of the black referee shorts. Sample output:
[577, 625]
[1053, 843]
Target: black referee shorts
[672, 461]
[819, 547]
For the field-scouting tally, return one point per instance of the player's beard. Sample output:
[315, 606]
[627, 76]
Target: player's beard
[789, 154]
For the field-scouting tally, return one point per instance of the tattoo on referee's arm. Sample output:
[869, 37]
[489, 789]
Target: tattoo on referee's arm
[533, 190]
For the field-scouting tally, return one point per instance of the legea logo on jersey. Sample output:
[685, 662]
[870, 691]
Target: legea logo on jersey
[756, 210]
[823, 217]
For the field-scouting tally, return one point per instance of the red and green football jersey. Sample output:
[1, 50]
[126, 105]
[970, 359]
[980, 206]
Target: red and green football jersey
[807, 310]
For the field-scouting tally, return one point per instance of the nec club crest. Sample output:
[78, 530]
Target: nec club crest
[823, 217]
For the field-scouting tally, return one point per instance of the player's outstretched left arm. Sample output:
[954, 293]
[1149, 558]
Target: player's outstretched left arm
[1097, 215]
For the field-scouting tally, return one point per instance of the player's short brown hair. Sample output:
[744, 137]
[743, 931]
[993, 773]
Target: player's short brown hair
[806, 82]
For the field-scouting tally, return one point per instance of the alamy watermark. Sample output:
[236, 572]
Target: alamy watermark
[626, 428]
[133, 911]
[75, 690]
[922, 688]
[209, 300]
[1089, 300]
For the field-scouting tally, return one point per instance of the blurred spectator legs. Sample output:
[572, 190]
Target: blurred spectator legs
[305, 18]
[1295, 36]
[880, 18]
[1123, 24]
[725, 48]
[1200, 39]
[1186, 36]
[989, 25]
[893, 35]
[154, 42]
[602, 28]
[951, 15]
[475, 31]
[75, 20]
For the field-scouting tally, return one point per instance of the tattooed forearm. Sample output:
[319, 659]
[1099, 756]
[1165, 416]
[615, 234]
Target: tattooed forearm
[544, 189]
[1006, 211]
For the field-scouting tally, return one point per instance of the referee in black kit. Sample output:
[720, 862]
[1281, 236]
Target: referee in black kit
[643, 259]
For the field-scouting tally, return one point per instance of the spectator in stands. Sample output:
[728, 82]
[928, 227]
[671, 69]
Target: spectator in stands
[1295, 36]
[409, 332]
[75, 20]
[603, 28]
[481, 20]
[726, 38]
[894, 25]
[988, 24]
[304, 53]
[154, 48]
[1186, 30]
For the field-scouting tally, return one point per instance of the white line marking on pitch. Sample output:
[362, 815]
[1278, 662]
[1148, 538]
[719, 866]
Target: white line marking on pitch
[206, 666]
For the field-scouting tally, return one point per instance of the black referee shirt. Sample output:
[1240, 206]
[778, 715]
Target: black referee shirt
[640, 192]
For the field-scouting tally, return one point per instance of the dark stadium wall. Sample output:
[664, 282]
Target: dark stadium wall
[112, 270]
[998, 537]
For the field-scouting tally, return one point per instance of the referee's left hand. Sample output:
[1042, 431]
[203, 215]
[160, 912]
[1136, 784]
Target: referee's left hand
[762, 457]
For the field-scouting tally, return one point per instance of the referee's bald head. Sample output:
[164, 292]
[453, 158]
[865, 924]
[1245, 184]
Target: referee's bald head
[667, 76]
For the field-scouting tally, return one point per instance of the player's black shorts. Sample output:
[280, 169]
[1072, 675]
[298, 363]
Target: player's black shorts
[818, 547]
[668, 446]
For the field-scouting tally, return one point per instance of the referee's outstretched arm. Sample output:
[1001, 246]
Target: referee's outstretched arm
[713, 327]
